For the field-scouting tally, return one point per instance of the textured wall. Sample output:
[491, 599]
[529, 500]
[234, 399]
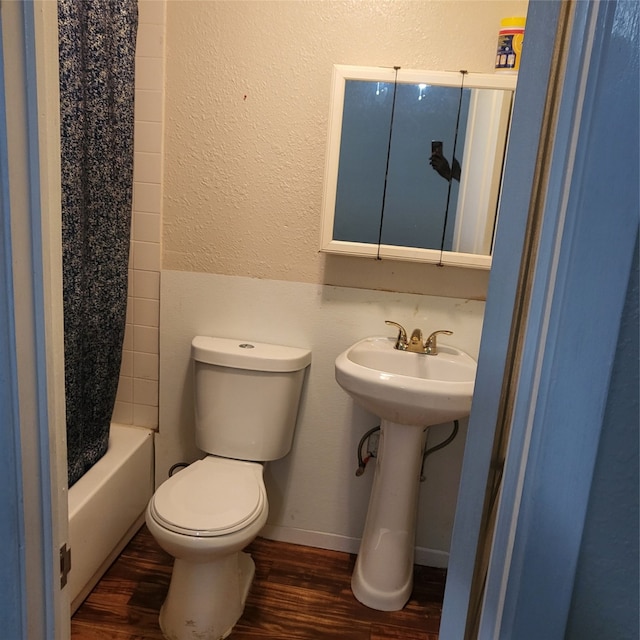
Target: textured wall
[248, 88]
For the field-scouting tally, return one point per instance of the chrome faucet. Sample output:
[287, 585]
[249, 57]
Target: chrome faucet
[415, 344]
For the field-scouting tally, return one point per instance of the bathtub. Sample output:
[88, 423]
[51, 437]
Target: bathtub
[106, 507]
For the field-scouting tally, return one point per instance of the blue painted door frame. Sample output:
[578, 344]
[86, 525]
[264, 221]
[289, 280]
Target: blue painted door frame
[12, 590]
[581, 270]
[586, 250]
[520, 170]
[28, 599]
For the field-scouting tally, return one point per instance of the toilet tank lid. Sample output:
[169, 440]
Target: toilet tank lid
[248, 354]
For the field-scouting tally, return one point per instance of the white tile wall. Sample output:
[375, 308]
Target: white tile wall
[137, 399]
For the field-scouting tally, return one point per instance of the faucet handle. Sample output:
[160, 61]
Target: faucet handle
[401, 340]
[431, 346]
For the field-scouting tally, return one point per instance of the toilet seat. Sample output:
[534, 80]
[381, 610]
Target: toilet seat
[211, 497]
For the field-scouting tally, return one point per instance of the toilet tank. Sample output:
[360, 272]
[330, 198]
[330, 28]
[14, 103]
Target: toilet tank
[246, 396]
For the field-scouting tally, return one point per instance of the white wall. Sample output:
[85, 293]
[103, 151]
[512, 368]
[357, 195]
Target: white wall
[314, 495]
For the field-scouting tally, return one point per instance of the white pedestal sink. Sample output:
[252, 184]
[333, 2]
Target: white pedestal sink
[409, 392]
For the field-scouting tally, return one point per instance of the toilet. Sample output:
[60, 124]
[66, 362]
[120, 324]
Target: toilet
[246, 404]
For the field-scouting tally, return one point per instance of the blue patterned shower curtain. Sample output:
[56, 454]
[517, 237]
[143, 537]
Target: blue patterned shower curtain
[97, 41]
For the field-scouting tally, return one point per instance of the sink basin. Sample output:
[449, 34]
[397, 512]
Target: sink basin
[405, 390]
[404, 387]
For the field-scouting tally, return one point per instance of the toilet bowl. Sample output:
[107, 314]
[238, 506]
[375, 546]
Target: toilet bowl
[204, 516]
[246, 398]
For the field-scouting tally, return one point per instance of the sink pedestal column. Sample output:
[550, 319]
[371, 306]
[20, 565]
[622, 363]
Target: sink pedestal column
[383, 575]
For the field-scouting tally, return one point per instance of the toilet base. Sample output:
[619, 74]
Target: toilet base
[205, 600]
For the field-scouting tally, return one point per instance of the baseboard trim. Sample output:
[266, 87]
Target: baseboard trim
[423, 556]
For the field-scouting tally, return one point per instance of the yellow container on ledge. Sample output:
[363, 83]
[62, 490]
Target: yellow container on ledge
[510, 39]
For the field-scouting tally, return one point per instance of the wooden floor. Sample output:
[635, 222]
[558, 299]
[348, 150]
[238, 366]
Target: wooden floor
[298, 593]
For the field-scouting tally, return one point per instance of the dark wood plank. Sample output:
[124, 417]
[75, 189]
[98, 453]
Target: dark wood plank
[299, 593]
[387, 632]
